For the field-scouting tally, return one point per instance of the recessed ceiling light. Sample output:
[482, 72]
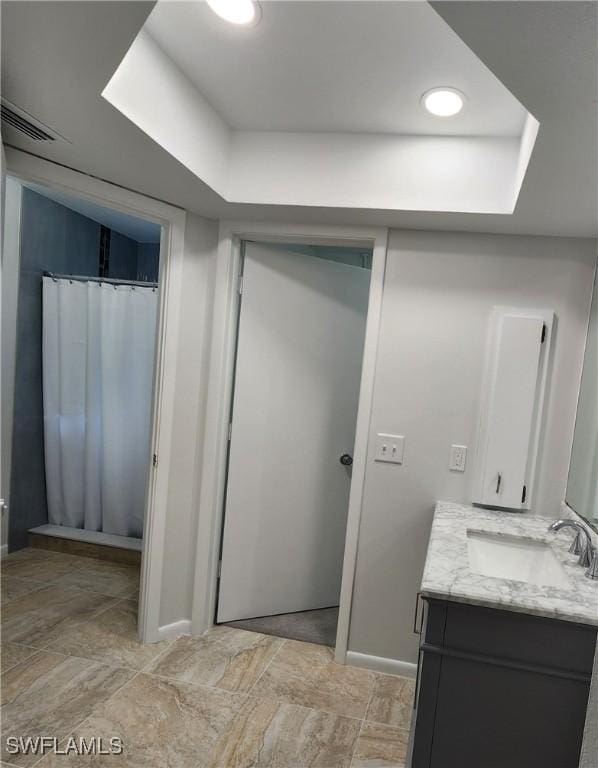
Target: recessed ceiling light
[236, 11]
[443, 102]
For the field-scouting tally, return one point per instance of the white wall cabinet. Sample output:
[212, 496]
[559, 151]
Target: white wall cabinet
[512, 406]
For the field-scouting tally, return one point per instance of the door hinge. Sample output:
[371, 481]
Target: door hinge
[524, 494]
[230, 431]
[240, 284]
[543, 338]
[219, 568]
[155, 459]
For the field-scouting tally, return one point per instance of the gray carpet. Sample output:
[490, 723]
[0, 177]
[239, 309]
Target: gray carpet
[309, 626]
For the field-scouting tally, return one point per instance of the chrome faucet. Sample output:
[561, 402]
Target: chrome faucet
[581, 545]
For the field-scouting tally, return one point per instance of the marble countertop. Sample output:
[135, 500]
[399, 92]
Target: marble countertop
[447, 574]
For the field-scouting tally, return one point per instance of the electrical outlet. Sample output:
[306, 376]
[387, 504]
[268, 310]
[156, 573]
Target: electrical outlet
[390, 448]
[458, 458]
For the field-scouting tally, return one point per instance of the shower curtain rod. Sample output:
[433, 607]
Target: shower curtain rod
[111, 280]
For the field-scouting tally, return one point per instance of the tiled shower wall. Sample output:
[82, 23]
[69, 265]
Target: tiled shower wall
[56, 239]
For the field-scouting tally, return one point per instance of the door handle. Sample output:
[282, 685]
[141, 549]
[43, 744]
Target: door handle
[498, 482]
[346, 460]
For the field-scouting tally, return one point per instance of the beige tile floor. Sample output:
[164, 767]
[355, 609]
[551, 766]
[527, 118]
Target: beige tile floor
[72, 667]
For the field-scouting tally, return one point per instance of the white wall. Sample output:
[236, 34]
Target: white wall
[195, 308]
[10, 291]
[439, 290]
[426, 173]
[201, 240]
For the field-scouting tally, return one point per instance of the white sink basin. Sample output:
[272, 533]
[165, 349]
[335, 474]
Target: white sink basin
[518, 559]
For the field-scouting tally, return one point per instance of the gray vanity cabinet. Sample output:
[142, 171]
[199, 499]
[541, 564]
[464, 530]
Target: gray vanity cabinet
[499, 689]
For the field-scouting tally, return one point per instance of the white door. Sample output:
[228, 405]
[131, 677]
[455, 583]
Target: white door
[298, 369]
[3, 524]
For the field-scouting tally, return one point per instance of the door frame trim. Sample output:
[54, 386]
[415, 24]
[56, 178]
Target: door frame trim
[219, 395]
[31, 168]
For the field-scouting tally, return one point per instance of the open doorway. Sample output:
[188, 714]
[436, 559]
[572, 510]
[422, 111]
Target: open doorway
[85, 317]
[299, 349]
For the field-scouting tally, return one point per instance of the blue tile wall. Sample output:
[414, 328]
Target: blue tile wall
[148, 258]
[82, 236]
[54, 239]
[123, 257]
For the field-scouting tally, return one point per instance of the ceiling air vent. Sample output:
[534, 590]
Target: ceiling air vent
[15, 118]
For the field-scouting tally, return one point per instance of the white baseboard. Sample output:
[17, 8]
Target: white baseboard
[182, 627]
[3, 550]
[382, 664]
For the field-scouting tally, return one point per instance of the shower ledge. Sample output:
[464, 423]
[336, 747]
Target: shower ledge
[90, 537]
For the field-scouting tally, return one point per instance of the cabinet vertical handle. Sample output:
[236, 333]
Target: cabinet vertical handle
[417, 673]
[498, 482]
[418, 630]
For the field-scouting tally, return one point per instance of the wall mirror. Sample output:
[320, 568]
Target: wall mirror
[582, 486]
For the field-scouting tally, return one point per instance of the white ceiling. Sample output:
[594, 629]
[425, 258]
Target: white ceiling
[546, 53]
[333, 66]
[56, 59]
[336, 130]
[58, 56]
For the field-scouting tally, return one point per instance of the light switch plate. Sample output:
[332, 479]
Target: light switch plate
[458, 458]
[390, 448]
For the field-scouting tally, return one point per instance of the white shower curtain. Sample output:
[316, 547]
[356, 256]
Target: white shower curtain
[98, 353]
